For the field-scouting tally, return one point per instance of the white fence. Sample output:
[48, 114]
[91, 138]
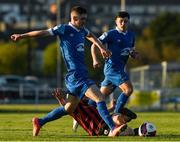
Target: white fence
[164, 77]
[26, 95]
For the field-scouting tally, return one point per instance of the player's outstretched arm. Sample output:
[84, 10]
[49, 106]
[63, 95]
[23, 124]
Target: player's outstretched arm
[96, 62]
[16, 37]
[104, 52]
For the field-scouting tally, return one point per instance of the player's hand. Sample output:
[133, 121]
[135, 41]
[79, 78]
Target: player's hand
[97, 64]
[55, 92]
[105, 53]
[16, 37]
[58, 92]
[135, 55]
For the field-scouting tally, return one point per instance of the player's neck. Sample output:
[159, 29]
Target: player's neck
[74, 26]
[121, 30]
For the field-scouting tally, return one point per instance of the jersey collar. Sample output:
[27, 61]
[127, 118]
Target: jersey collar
[121, 31]
[70, 24]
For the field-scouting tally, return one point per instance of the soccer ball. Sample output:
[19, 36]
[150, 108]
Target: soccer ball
[147, 129]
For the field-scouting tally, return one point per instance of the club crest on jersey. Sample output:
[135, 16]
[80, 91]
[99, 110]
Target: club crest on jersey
[71, 35]
[80, 47]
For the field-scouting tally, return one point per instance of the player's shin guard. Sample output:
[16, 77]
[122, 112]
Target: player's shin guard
[121, 101]
[53, 115]
[102, 109]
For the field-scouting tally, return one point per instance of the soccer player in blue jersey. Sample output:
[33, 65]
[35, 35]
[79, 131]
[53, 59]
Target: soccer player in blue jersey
[120, 42]
[72, 37]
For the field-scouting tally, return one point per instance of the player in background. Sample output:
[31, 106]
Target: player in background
[89, 119]
[120, 41]
[72, 37]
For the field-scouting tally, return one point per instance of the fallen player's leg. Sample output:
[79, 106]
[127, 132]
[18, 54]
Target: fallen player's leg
[117, 130]
[90, 120]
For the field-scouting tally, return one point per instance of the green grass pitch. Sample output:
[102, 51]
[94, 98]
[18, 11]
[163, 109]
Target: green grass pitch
[15, 125]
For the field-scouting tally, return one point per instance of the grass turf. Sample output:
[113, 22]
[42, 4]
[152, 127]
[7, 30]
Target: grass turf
[15, 125]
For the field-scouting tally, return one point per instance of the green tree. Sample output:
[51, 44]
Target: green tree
[170, 52]
[13, 58]
[165, 28]
[160, 40]
[149, 54]
[165, 31]
[50, 59]
[145, 45]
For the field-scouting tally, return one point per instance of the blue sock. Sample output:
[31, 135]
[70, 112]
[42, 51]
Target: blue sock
[121, 101]
[102, 109]
[53, 115]
[92, 103]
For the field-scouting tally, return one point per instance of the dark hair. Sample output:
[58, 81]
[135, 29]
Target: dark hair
[123, 14]
[80, 10]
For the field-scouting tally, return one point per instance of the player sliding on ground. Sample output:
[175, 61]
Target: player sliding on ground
[87, 116]
[95, 126]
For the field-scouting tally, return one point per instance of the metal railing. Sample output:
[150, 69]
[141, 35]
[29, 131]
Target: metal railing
[21, 94]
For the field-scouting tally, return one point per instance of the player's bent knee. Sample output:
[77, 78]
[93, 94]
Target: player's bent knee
[70, 107]
[128, 91]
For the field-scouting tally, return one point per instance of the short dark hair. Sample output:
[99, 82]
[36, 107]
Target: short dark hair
[122, 14]
[80, 10]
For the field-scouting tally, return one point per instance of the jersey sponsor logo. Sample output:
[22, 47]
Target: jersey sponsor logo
[126, 51]
[80, 47]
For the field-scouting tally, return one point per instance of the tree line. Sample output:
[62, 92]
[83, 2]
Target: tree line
[160, 41]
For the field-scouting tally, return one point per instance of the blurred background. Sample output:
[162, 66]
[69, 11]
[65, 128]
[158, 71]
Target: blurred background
[31, 68]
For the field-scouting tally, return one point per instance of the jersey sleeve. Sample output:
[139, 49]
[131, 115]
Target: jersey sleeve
[86, 31]
[57, 30]
[104, 37]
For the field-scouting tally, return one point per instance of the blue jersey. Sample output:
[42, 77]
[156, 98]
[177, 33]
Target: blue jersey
[120, 44]
[72, 48]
